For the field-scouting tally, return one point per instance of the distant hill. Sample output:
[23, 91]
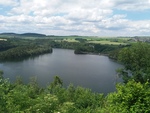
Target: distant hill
[23, 35]
[8, 34]
[33, 35]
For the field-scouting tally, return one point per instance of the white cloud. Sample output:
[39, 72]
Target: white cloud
[66, 17]
[9, 2]
[132, 4]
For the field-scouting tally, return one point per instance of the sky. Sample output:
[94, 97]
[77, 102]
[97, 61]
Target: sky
[76, 17]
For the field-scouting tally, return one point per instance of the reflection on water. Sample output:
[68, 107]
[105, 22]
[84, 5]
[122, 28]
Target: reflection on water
[90, 71]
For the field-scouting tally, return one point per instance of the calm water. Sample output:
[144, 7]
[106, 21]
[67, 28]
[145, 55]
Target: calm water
[90, 71]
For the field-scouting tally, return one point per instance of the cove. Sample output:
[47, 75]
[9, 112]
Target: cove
[90, 71]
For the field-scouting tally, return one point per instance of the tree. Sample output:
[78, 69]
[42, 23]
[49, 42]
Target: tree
[1, 74]
[132, 97]
[5, 86]
[56, 85]
[18, 81]
[136, 60]
[57, 81]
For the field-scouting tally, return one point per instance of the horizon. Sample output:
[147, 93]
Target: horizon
[105, 18]
[5, 33]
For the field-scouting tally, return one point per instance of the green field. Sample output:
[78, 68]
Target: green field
[84, 39]
[3, 39]
[70, 40]
[109, 41]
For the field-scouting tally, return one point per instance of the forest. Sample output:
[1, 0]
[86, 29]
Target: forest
[16, 47]
[131, 96]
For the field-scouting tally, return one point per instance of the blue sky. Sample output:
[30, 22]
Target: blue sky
[134, 15]
[76, 17]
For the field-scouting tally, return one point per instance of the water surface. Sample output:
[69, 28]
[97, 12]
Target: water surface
[90, 71]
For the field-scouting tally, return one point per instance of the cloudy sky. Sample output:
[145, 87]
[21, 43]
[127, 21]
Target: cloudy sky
[76, 17]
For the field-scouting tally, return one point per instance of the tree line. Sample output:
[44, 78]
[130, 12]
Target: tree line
[22, 48]
[18, 97]
[15, 48]
[24, 51]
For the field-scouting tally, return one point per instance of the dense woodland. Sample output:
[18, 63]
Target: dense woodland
[132, 96]
[15, 48]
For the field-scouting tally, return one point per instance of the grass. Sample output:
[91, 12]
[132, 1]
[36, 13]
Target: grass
[3, 39]
[70, 40]
[110, 41]
[107, 42]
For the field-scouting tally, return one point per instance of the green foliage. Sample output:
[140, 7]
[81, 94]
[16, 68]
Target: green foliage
[136, 60]
[57, 82]
[24, 51]
[56, 85]
[84, 99]
[130, 98]
[4, 45]
[44, 103]
[18, 81]
[19, 48]
[30, 98]
[112, 50]
[83, 49]
[82, 40]
[104, 48]
[4, 89]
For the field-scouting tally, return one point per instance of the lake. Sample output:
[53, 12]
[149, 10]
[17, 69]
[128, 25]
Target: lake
[90, 71]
